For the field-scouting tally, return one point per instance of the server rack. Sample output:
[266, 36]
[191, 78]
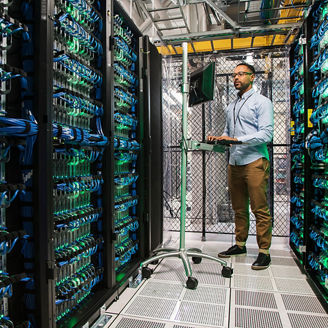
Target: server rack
[80, 174]
[17, 133]
[298, 167]
[308, 236]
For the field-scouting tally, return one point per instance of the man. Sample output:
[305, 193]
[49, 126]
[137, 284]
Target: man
[249, 119]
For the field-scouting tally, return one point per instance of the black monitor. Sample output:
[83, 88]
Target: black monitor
[202, 85]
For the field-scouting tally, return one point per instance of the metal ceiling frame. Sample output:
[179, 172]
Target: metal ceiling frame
[221, 13]
[228, 33]
[240, 24]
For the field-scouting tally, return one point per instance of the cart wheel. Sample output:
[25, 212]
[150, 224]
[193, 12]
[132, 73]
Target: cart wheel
[227, 272]
[192, 283]
[146, 272]
[196, 260]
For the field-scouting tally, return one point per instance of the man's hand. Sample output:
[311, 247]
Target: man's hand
[213, 138]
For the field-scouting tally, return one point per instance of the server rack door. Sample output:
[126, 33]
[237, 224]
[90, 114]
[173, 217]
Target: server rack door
[152, 85]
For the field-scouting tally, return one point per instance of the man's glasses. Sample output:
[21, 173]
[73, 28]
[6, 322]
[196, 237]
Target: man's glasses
[233, 75]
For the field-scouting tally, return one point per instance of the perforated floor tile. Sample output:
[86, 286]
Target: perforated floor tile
[209, 273]
[297, 286]
[149, 307]
[278, 252]
[137, 323]
[255, 299]
[161, 290]
[206, 294]
[249, 318]
[302, 303]
[170, 270]
[244, 269]
[289, 261]
[253, 283]
[273, 252]
[307, 321]
[249, 259]
[199, 313]
[285, 272]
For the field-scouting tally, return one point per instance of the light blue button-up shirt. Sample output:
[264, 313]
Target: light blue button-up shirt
[249, 119]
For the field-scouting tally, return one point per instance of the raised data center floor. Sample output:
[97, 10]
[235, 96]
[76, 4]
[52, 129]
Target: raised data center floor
[279, 297]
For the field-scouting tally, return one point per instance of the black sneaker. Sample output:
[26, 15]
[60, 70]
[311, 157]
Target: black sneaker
[262, 262]
[235, 250]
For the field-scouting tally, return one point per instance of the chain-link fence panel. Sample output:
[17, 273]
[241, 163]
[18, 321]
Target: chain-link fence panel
[208, 202]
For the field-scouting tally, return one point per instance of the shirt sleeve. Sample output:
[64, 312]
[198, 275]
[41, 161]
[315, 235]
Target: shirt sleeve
[264, 132]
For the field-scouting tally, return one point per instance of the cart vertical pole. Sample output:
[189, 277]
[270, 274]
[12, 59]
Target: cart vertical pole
[185, 91]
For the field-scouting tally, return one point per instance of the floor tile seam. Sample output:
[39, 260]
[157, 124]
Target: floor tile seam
[199, 302]
[315, 314]
[273, 277]
[253, 307]
[177, 306]
[251, 288]
[203, 325]
[160, 297]
[282, 310]
[174, 282]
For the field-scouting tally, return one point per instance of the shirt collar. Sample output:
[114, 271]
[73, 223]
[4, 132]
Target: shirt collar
[246, 94]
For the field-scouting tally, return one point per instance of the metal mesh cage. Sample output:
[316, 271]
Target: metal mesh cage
[208, 202]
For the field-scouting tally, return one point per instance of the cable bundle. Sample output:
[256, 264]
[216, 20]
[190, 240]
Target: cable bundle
[82, 247]
[126, 99]
[9, 239]
[298, 108]
[77, 218]
[322, 29]
[78, 106]
[125, 33]
[319, 239]
[10, 26]
[68, 24]
[125, 205]
[125, 144]
[298, 89]
[84, 73]
[124, 77]
[85, 10]
[78, 136]
[125, 119]
[297, 64]
[319, 62]
[298, 201]
[295, 238]
[297, 221]
[126, 181]
[83, 280]
[80, 184]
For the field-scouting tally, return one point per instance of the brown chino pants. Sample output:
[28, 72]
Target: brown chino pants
[249, 183]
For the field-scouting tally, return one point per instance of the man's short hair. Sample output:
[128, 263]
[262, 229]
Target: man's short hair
[251, 67]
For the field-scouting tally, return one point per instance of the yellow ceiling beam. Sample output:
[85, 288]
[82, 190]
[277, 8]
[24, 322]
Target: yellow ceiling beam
[291, 12]
[240, 43]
